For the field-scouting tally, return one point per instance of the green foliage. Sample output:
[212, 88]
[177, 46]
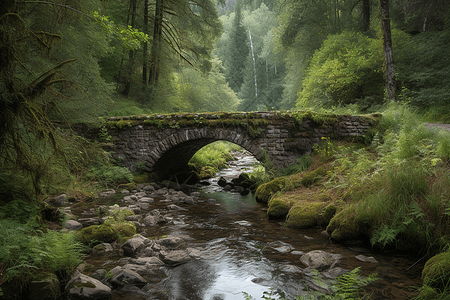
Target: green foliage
[426, 77]
[96, 234]
[346, 69]
[313, 177]
[109, 175]
[117, 215]
[25, 252]
[267, 190]
[207, 161]
[326, 149]
[301, 165]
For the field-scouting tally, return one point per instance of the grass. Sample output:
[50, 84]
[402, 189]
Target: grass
[211, 158]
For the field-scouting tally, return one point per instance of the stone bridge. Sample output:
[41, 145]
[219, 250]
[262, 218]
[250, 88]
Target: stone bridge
[165, 143]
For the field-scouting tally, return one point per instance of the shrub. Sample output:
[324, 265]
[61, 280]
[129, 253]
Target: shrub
[346, 68]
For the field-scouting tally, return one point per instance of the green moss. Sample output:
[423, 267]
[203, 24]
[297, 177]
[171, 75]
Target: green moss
[345, 226]
[327, 215]
[304, 214]
[278, 208]
[427, 293]
[127, 186]
[321, 119]
[126, 229]
[436, 272]
[313, 177]
[98, 234]
[266, 190]
[140, 178]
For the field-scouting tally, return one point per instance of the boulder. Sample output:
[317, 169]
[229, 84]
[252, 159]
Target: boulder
[171, 242]
[364, 258]
[222, 182]
[83, 287]
[188, 200]
[127, 276]
[149, 261]
[319, 260]
[103, 248]
[133, 246]
[60, 200]
[176, 257]
[106, 193]
[174, 207]
[89, 221]
[73, 225]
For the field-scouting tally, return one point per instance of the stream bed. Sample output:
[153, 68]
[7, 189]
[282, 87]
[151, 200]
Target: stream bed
[245, 253]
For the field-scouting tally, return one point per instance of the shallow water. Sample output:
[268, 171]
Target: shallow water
[241, 251]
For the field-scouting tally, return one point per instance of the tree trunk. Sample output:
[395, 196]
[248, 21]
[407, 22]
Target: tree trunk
[145, 54]
[155, 55]
[387, 49]
[127, 88]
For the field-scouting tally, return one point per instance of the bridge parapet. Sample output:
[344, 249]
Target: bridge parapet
[165, 143]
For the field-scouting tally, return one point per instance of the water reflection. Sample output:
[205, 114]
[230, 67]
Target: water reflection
[243, 251]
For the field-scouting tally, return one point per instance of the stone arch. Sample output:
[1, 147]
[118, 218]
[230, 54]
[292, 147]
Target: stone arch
[171, 155]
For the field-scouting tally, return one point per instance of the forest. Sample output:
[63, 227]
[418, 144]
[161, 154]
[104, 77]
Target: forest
[73, 63]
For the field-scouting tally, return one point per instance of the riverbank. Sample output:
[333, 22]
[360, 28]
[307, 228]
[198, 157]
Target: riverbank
[391, 195]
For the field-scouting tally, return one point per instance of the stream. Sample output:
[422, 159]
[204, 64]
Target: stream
[245, 252]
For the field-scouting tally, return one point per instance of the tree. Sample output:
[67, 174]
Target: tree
[238, 50]
[186, 28]
[387, 49]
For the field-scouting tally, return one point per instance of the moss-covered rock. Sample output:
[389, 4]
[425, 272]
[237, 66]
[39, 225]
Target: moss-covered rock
[278, 208]
[345, 226]
[304, 214]
[98, 234]
[127, 186]
[327, 215]
[313, 177]
[126, 229]
[267, 190]
[436, 272]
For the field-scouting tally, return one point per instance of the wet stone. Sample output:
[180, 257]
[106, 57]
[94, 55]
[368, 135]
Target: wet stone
[368, 259]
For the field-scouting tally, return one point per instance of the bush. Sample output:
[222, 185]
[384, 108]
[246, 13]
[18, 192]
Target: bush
[346, 69]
